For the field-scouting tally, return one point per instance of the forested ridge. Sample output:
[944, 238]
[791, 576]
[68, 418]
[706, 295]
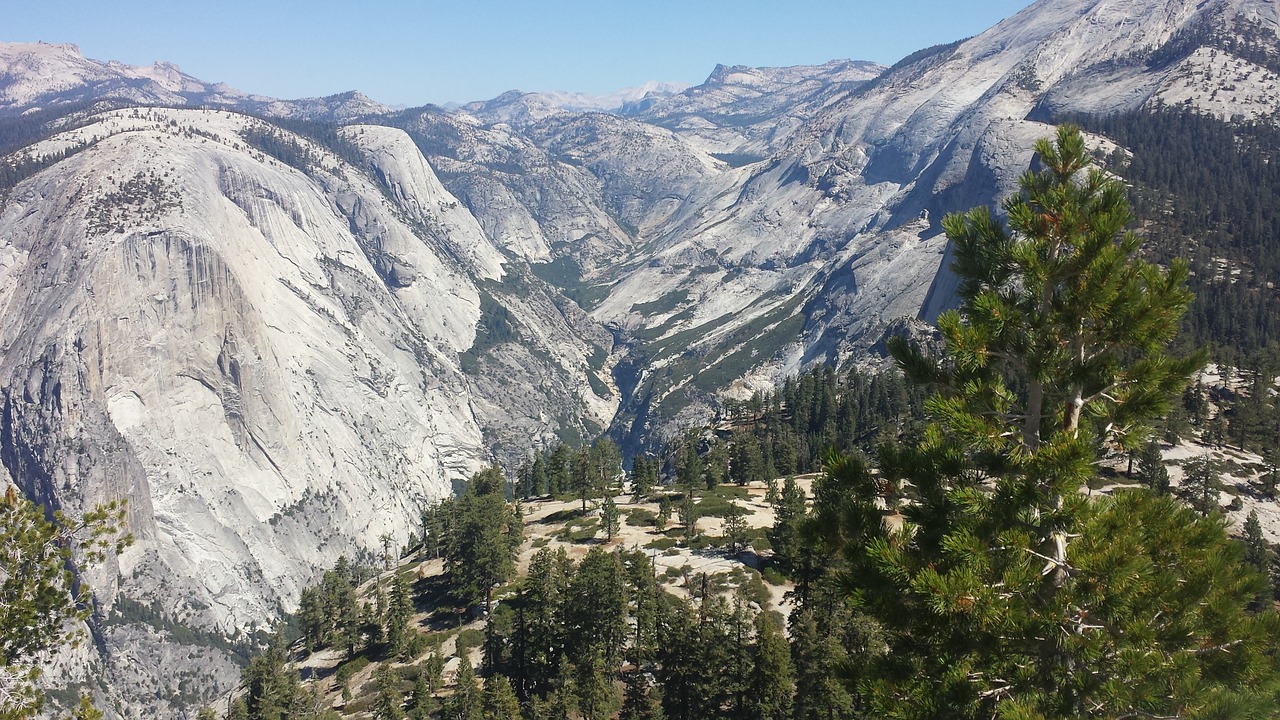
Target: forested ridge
[1209, 191]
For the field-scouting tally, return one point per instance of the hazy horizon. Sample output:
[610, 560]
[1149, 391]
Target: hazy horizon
[413, 53]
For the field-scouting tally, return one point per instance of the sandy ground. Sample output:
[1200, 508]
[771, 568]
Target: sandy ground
[712, 561]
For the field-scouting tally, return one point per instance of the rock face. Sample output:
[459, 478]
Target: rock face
[809, 252]
[746, 112]
[278, 349]
[263, 358]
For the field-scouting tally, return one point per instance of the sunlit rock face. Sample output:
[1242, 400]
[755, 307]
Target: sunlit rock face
[263, 360]
[266, 359]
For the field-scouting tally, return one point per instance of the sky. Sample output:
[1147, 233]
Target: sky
[412, 52]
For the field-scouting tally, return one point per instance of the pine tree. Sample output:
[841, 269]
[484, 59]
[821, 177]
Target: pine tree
[734, 655]
[1256, 550]
[389, 703]
[557, 705]
[610, 518]
[42, 603]
[640, 700]
[1201, 485]
[500, 700]
[1010, 593]
[817, 657]
[1218, 430]
[789, 513]
[594, 689]
[735, 527]
[688, 669]
[689, 468]
[466, 702]
[1151, 469]
[1271, 471]
[772, 681]
[664, 513]
[607, 461]
[715, 466]
[643, 595]
[499, 632]
[643, 472]
[85, 710]
[746, 463]
[688, 510]
[420, 700]
[273, 690]
[559, 470]
[482, 548]
[433, 669]
[538, 475]
[582, 476]
[595, 611]
[539, 636]
[399, 614]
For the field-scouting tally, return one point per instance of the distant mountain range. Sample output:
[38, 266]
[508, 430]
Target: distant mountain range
[43, 76]
[279, 326]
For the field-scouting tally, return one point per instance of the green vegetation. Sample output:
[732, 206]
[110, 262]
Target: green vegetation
[484, 536]
[1010, 593]
[588, 472]
[20, 166]
[565, 274]
[789, 431]
[1016, 595]
[737, 160]
[278, 137]
[1209, 190]
[496, 326]
[42, 602]
[662, 305]
[145, 197]
[126, 610]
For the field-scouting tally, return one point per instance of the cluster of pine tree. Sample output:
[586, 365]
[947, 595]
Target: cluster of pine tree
[601, 639]
[1208, 190]
[585, 472]
[330, 614]
[1241, 411]
[789, 431]
[477, 534]
[1008, 592]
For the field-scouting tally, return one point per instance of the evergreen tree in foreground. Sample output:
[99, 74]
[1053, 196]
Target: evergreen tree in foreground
[1009, 593]
[42, 602]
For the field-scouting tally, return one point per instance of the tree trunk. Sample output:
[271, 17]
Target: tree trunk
[1035, 408]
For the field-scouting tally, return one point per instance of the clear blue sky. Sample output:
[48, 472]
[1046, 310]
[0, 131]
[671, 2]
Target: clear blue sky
[412, 52]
